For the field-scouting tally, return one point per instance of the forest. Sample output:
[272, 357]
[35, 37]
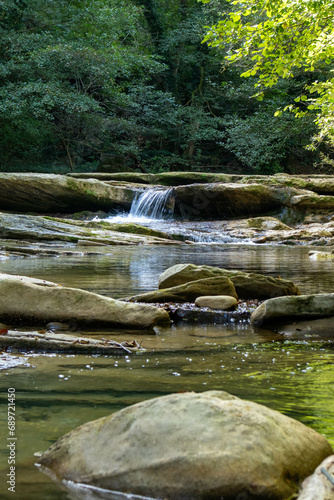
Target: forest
[116, 85]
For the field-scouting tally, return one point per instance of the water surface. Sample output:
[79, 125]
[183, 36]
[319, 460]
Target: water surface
[56, 393]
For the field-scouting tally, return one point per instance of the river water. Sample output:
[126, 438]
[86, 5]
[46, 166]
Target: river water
[56, 393]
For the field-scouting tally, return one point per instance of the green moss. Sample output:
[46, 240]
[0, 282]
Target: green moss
[128, 228]
[255, 223]
[64, 221]
[71, 183]
[137, 229]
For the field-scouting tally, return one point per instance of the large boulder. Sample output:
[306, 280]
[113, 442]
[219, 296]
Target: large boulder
[219, 200]
[247, 285]
[58, 193]
[31, 300]
[191, 446]
[188, 292]
[288, 309]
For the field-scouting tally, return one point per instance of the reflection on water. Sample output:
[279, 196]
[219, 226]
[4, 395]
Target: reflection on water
[135, 269]
[56, 393]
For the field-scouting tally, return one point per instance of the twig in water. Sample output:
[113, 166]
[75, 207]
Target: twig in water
[328, 475]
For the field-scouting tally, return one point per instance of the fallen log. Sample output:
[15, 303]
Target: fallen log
[61, 343]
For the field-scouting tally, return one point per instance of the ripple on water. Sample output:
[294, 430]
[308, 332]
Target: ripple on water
[57, 393]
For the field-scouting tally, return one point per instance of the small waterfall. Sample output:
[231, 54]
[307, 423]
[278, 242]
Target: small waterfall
[153, 204]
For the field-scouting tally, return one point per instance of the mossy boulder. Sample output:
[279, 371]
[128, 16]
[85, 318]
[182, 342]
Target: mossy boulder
[186, 178]
[38, 228]
[30, 300]
[209, 445]
[221, 200]
[247, 285]
[163, 179]
[189, 292]
[130, 177]
[317, 184]
[58, 193]
[129, 228]
[266, 223]
[312, 201]
[288, 309]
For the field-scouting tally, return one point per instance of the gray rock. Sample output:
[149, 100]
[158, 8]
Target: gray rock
[164, 179]
[31, 300]
[48, 192]
[219, 200]
[191, 446]
[189, 291]
[287, 309]
[257, 224]
[222, 302]
[313, 201]
[38, 228]
[247, 285]
[205, 316]
[317, 486]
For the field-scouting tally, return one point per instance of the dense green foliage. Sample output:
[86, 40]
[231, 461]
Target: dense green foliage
[129, 82]
[282, 39]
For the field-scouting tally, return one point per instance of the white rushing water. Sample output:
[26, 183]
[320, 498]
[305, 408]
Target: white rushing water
[154, 208]
[153, 204]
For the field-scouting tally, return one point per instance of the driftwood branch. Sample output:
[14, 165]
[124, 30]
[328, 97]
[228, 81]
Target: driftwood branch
[55, 342]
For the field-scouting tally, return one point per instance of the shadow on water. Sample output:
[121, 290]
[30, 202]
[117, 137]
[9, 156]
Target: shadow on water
[56, 393]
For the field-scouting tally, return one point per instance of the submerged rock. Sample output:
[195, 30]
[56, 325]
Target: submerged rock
[247, 285]
[189, 291]
[30, 300]
[191, 446]
[191, 314]
[288, 309]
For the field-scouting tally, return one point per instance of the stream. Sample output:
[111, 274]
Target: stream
[56, 393]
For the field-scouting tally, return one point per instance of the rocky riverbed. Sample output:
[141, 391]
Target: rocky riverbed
[41, 208]
[291, 211]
